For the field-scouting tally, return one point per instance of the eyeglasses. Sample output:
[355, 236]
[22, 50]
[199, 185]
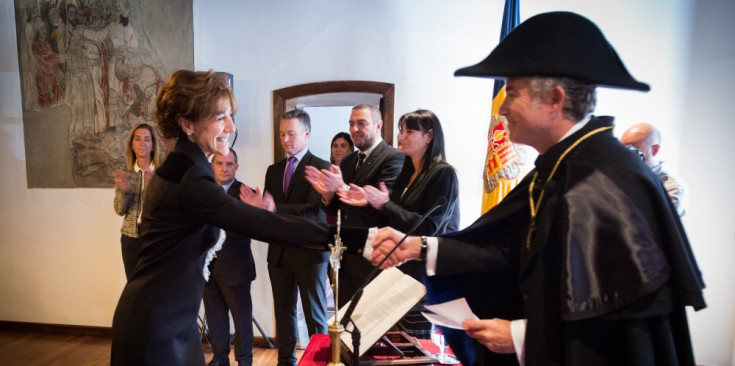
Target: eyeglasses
[638, 152]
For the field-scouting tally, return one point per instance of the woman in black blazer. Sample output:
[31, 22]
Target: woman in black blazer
[184, 218]
[426, 176]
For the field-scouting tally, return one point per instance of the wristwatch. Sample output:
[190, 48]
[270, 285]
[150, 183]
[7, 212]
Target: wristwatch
[424, 249]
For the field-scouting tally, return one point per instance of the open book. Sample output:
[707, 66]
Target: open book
[384, 301]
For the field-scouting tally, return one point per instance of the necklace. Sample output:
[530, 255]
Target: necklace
[536, 204]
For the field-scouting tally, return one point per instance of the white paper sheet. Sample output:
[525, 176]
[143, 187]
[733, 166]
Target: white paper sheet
[450, 314]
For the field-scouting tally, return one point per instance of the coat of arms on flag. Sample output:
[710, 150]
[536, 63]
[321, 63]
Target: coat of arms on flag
[503, 158]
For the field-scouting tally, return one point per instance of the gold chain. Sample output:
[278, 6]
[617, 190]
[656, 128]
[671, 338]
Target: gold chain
[535, 205]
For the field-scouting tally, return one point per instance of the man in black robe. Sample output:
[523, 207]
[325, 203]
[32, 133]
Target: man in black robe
[602, 264]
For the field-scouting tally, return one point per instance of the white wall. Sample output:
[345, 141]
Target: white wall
[59, 252]
[706, 152]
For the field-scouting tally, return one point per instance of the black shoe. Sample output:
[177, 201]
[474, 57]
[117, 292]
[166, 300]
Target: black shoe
[217, 363]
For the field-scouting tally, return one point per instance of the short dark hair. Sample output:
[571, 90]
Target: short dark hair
[299, 114]
[234, 154]
[374, 111]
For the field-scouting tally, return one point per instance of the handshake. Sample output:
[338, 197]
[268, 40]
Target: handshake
[385, 242]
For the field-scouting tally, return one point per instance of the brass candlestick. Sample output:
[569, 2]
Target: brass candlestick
[335, 329]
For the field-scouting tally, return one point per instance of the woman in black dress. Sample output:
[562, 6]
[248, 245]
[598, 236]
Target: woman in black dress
[184, 215]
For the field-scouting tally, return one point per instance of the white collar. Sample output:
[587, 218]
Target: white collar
[299, 155]
[577, 126]
[137, 167]
[371, 148]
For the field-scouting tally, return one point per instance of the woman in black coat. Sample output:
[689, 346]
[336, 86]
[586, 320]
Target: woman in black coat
[426, 176]
[184, 218]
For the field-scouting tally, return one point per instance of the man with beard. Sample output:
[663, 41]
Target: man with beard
[374, 161]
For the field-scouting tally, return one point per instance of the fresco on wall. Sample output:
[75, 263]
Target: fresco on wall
[90, 70]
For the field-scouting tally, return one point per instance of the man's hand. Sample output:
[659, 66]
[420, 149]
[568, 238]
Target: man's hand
[355, 196]
[386, 240]
[493, 333]
[324, 181]
[253, 198]
[268, 203]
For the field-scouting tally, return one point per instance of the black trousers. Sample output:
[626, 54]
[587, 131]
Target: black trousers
[220, 298]
[287, 283]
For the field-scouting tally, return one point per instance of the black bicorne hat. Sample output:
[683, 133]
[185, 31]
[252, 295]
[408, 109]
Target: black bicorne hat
[560, 44]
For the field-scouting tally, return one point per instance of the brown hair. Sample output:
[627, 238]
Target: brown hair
[193, 95]
[156, 151]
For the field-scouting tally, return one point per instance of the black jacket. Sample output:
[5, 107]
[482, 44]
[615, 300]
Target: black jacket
[609, 263]
[235, 264]
[155, 322]
[300, 200]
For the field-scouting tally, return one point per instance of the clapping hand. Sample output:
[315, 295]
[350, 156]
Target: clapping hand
[147, 176]
[268, 203]
[377, 197]
[355, 196]
[254, 198]
[121, 181]
[324, 181]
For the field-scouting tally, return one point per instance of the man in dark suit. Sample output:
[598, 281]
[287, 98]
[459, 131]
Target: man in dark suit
[375, 161]
[228, 287]
[294, 270]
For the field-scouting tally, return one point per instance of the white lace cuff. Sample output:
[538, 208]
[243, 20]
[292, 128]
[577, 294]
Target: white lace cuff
[367, 251]
[211, 252]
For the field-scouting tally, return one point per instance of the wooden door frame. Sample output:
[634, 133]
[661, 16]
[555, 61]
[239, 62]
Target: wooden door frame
[280, 96]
